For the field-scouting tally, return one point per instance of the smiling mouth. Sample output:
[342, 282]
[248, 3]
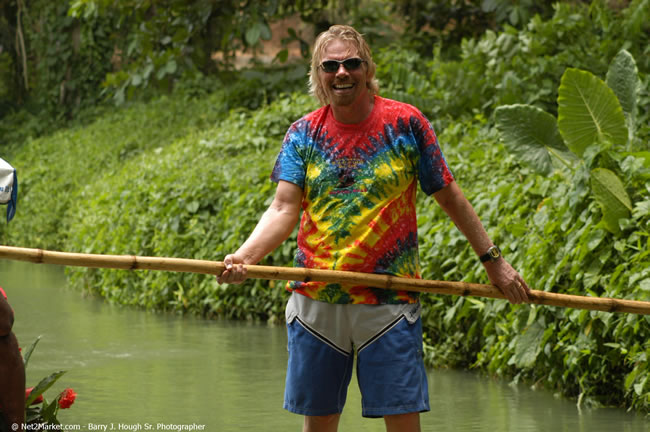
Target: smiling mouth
[343, 86]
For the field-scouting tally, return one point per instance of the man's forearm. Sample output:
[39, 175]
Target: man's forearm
[500, 272]
[274, 227]
[461, 212]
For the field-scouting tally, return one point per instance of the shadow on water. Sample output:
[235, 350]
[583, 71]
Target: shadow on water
[133, 368]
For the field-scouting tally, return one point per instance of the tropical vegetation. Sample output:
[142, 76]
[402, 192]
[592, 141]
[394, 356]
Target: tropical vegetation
[542, 112]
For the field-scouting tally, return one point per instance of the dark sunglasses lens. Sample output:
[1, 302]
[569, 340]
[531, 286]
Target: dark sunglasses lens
[352, 64]
[330, 66]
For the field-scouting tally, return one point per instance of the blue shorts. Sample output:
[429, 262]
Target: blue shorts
[390, 368]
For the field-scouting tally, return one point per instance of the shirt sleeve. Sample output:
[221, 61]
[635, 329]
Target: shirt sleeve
[290, 165]
[433, 171]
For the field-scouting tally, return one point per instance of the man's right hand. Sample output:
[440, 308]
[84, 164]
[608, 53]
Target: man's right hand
[235, 272]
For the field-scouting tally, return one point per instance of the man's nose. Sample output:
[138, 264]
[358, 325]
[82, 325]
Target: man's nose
[341, 69]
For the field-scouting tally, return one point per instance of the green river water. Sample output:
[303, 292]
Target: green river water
[139, 370]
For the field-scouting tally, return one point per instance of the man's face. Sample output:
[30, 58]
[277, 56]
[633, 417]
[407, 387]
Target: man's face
[344, 87]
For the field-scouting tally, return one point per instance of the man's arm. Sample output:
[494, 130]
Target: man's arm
[6, 317]
[500, 272]
[274, 227]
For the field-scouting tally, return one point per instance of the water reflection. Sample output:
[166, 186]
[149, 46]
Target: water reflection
[133, 367]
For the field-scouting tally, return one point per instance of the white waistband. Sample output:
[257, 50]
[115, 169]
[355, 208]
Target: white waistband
[349, 325]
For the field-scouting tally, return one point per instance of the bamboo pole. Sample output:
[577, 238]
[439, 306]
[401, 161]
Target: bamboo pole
[132, 262]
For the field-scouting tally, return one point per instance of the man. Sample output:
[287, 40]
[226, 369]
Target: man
[353, 167]
[12, 371]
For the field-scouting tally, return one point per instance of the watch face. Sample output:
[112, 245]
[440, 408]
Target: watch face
[494, 252]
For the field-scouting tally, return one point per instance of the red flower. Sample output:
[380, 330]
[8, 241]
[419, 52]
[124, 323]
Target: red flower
[38, 400]
[66, 398]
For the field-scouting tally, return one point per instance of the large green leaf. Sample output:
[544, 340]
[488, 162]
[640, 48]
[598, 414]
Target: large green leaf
[610, 193]
[42, 386]
[528, 346]
[589, 112]
[30, 350]
[530, 134]
[258, 30]
[623, 79]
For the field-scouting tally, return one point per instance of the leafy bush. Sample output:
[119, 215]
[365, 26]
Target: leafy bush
[593, 129]
[198, 197]
[517, 66]
[451, 21]
[54, 169]
[590, 343]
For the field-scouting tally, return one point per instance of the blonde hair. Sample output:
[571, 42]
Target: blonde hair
[347, 34]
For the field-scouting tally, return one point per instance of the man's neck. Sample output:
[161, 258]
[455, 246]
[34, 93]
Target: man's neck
[354, 113]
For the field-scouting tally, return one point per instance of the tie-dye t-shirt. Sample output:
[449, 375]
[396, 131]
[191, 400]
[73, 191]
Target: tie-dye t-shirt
[359, 185]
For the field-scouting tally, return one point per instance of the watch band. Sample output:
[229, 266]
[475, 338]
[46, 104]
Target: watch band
[492, 254]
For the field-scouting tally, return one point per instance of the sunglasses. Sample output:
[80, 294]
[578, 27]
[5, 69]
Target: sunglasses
[350, 64]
